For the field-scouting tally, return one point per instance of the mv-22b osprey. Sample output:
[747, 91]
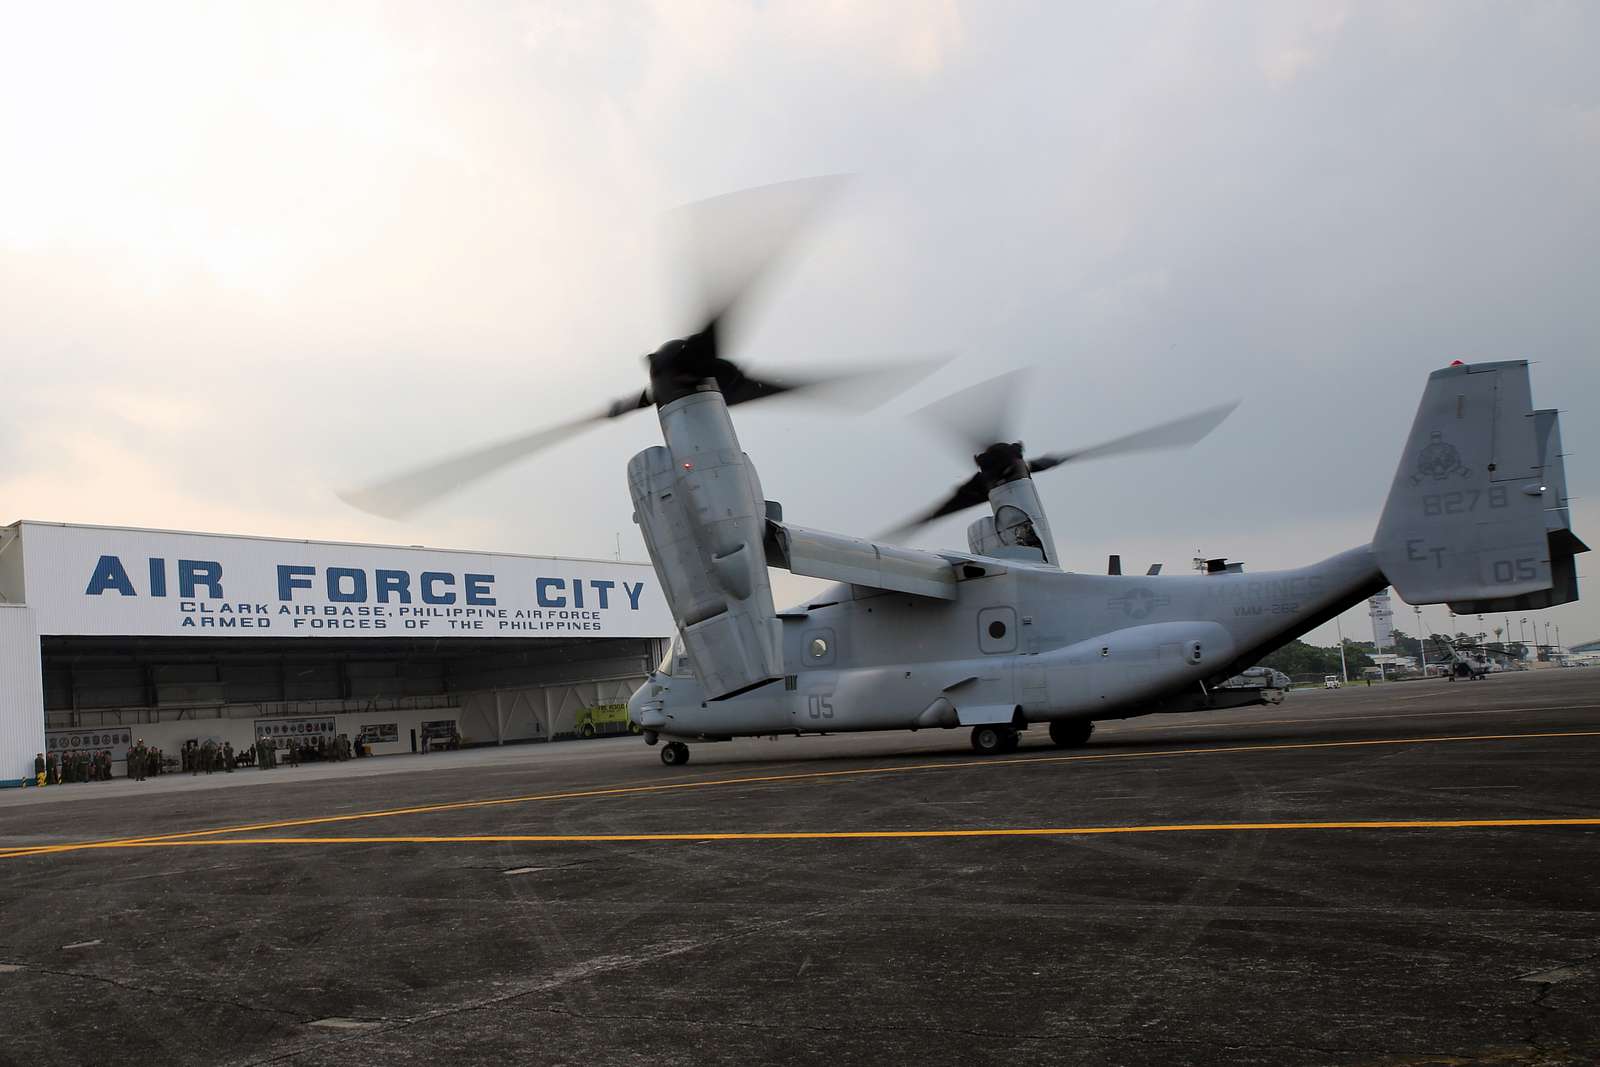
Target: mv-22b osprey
[999, 638]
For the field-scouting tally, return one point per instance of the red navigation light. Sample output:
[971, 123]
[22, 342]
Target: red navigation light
[1457, 363]
[688, 466]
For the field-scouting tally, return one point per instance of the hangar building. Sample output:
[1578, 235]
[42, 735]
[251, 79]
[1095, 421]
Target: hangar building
[109, 635]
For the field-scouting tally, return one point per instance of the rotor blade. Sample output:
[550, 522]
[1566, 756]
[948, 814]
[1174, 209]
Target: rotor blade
[859, 389]
[968, 494]
[399, 496]
[729, 243]
[1174, 434]
[979, 415]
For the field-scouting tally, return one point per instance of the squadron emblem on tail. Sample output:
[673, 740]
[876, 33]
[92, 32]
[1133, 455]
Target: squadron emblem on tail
[1438, 460]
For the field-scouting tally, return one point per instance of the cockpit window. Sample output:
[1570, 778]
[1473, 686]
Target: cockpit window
[675, 664]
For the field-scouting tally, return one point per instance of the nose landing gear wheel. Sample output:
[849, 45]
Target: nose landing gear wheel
[675, 754]
[993, 740]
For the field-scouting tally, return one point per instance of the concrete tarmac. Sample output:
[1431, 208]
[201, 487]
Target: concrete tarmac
[1400, 875]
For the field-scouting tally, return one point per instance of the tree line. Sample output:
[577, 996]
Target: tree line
[1298, 658]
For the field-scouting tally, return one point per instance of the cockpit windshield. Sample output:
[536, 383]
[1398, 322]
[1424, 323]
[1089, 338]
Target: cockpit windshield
[674, 652]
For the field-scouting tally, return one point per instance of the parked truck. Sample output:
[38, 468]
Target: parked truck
[603, 719]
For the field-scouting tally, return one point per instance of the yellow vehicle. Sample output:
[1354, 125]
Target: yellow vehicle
[603, 719]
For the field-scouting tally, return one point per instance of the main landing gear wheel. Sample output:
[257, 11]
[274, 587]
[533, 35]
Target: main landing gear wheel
[993, 740]
[1071, 733]
[675, 753]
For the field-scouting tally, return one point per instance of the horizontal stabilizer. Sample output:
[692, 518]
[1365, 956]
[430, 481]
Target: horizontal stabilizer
[1476, 515]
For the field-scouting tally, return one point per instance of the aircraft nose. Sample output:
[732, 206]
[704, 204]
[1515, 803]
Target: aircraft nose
[644, 707]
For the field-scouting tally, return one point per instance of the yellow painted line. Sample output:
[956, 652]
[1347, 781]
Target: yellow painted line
[972, 763]
[858, 835]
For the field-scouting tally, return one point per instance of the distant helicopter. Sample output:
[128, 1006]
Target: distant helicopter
[998, 638]
[1467, 662]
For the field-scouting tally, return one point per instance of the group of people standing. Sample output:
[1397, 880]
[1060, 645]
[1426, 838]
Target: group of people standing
[73, 766]
[209, 756]
[196, 757]
[83, 765]
[304, 750]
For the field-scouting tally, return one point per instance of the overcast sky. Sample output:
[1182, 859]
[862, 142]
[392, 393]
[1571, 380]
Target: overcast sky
[253, 253]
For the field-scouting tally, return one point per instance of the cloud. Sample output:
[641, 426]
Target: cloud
[1298, 37]
[252, 254]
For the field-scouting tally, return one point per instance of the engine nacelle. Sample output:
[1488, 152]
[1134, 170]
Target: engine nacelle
[699, 505]
[1017, 529]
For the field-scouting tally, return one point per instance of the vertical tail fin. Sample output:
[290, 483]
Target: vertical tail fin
[1477, 514]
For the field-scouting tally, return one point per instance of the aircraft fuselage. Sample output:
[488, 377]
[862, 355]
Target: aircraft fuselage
[1020, 643]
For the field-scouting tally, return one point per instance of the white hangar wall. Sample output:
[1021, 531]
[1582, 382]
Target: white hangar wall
[170, 636]
[21, 696]
[99, 580]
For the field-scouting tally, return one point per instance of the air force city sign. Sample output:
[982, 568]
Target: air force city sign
[90, 580]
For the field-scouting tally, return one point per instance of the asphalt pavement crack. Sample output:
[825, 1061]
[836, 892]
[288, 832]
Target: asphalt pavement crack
[590, 968]
[148, 991]
[1542, 1011]
[854, 1027]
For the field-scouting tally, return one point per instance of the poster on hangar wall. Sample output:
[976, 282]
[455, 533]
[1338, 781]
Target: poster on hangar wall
[106, 581]
[90, 739]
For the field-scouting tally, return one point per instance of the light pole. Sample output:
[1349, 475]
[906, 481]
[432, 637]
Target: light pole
[1522, 633]
[1546, 640]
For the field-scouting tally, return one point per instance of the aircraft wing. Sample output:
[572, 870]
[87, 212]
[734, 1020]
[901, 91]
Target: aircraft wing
[819, 554]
